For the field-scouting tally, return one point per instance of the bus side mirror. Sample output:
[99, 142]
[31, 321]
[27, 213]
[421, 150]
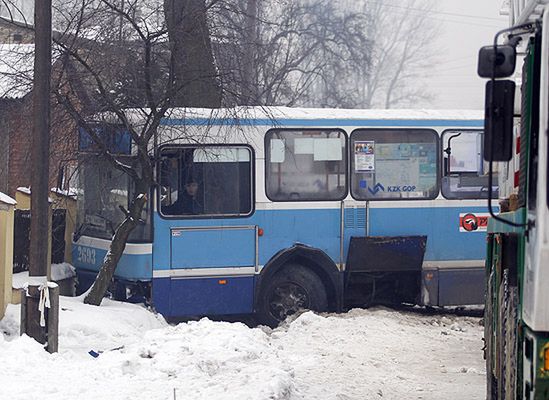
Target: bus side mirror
[498, 120]
[501, 62]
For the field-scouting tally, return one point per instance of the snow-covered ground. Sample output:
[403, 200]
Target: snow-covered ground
[363, 354]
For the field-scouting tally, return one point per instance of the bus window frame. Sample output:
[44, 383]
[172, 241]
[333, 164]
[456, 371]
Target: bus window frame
[437, 136]
[302, 200]
[206, 216]
[443, 173]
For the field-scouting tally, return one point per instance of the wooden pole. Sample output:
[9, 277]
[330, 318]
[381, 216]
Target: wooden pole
[38, 257]
[40, 216]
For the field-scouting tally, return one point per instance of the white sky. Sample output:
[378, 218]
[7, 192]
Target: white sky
[467, 25]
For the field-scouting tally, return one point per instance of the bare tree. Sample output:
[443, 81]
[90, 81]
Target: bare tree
[403, 37]
[129, 64]
[289, 48]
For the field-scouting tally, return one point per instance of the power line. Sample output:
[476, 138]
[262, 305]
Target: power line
[434, 12]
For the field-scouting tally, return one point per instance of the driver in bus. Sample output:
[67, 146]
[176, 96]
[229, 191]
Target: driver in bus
[187, 202]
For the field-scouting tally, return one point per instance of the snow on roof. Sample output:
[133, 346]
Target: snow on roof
[270, 115]
[21, 11]
[27, 190]
[4, 198]
[322, 113]
[71, 192]
[22, 189]
[16, 70]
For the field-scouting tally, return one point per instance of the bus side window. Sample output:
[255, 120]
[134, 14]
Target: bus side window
[394, 164]
[206, 180]
[305, 165]
[465, 175]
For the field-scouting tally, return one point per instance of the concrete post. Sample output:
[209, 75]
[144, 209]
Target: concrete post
[7, 205]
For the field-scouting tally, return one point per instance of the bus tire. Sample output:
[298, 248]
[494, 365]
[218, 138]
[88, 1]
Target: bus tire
[292, 289]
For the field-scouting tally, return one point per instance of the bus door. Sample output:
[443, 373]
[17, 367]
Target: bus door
[394, 171]
[213, 256]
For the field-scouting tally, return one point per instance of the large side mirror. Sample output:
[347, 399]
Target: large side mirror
[498, 120]
[501, 62]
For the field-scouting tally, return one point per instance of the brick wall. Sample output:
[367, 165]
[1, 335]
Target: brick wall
[63, 144]
[13, 33]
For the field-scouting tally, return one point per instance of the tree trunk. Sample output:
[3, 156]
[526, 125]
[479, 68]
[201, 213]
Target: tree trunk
[196, 83]
[118, 244]
[249, 69]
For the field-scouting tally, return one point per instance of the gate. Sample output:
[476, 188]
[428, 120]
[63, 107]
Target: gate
[21, 238]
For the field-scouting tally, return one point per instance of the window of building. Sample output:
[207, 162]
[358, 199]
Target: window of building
[465, 174]
[305, 165]
[206, 181]
[17, 38]
[394, 164]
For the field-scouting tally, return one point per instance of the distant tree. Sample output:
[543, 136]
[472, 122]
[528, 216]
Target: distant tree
[321, 53]
[404, 36]
[277, 52]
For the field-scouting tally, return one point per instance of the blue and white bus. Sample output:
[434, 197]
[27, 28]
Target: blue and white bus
[270, 211]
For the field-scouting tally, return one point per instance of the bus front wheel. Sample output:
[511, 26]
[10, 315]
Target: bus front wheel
[292, 289]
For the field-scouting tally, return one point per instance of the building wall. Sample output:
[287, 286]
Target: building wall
[18, 154]
[6, 255]
[20, 137]
[14, 33]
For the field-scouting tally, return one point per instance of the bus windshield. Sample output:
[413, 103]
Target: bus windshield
[102, 190]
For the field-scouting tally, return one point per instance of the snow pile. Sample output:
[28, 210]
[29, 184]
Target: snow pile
[363, 354]
[58, 273]
[62, 271]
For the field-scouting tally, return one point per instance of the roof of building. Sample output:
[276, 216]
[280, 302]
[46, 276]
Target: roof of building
[16, 70]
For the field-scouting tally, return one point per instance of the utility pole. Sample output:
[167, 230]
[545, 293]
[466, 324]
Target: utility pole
[38, 257]
[33, 311]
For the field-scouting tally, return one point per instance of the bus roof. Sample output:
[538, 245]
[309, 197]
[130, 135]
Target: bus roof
[272, 116]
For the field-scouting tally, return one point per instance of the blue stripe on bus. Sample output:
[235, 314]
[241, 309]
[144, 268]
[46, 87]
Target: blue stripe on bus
[130, 266]
[320, 228]
[322, 122]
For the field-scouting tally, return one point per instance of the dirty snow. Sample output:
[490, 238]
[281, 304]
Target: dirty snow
[363, 354]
